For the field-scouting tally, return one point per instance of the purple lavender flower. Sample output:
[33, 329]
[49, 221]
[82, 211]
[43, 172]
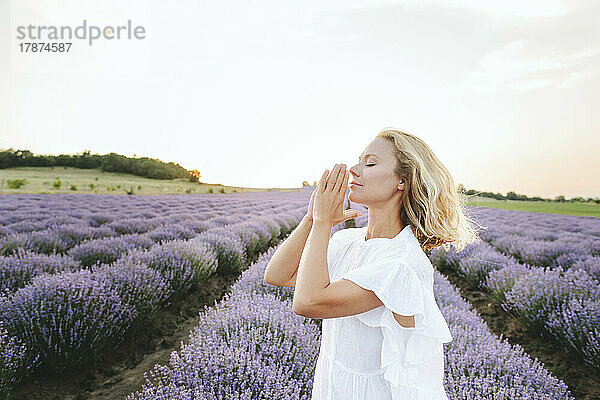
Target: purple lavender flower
[183, 264]
[18, 270]
[66, 318]
[12, 362]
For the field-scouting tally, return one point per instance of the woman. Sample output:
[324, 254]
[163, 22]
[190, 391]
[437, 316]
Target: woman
[383, 332]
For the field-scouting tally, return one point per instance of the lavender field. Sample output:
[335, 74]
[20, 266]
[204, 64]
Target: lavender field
[543, 268]
[80, 272]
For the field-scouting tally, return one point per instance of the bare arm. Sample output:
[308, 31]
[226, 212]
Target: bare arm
[283, 266]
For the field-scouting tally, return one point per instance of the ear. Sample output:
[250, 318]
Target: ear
[400, 185]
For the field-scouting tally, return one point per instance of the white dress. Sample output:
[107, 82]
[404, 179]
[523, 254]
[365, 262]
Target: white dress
[370, 356]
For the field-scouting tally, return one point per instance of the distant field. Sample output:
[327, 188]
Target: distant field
[589, 209]
[41, 179]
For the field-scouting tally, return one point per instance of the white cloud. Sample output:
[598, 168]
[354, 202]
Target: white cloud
[514, 8]
[520, 66]
[505, 8]
[577, 78]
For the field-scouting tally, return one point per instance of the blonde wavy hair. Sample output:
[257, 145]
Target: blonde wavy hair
[432, 203]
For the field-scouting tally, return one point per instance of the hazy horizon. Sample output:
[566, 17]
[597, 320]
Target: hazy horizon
[299, 185]
[273, 93]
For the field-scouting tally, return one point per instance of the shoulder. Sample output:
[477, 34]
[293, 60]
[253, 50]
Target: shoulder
[346, 234]
[408, 250]
[348, 231]
[405, 265]
[338, 241]
[420, 265]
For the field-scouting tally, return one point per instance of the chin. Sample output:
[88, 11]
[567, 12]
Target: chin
[353, 198]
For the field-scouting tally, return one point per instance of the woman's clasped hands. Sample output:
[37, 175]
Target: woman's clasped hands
[328, 197]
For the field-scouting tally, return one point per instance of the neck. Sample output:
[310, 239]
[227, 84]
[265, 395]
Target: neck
[382, 226]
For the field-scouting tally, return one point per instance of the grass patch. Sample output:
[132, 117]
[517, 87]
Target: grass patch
[33, 180]
[566, 208]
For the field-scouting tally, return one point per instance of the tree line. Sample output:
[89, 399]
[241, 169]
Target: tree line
[515, 196]
[112, 162]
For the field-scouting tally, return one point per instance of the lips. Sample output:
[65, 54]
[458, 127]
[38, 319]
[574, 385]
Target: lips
[354, 183]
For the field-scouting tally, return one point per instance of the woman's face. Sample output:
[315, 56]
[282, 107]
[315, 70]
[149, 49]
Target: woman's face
[375, 174]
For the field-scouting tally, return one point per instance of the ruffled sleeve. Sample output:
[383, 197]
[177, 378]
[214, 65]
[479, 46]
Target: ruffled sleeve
[412, 358]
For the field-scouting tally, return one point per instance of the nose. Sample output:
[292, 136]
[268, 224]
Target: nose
[352, 171]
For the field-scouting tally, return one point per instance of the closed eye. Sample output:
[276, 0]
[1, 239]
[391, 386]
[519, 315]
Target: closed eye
[369, 165]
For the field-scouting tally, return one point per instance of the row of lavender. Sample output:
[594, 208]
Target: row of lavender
[252, 346]
[544, 240]
[60, 319]
[542, 269]
[77, 231]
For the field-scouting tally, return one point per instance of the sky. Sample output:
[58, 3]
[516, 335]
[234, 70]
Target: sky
[272, 93]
